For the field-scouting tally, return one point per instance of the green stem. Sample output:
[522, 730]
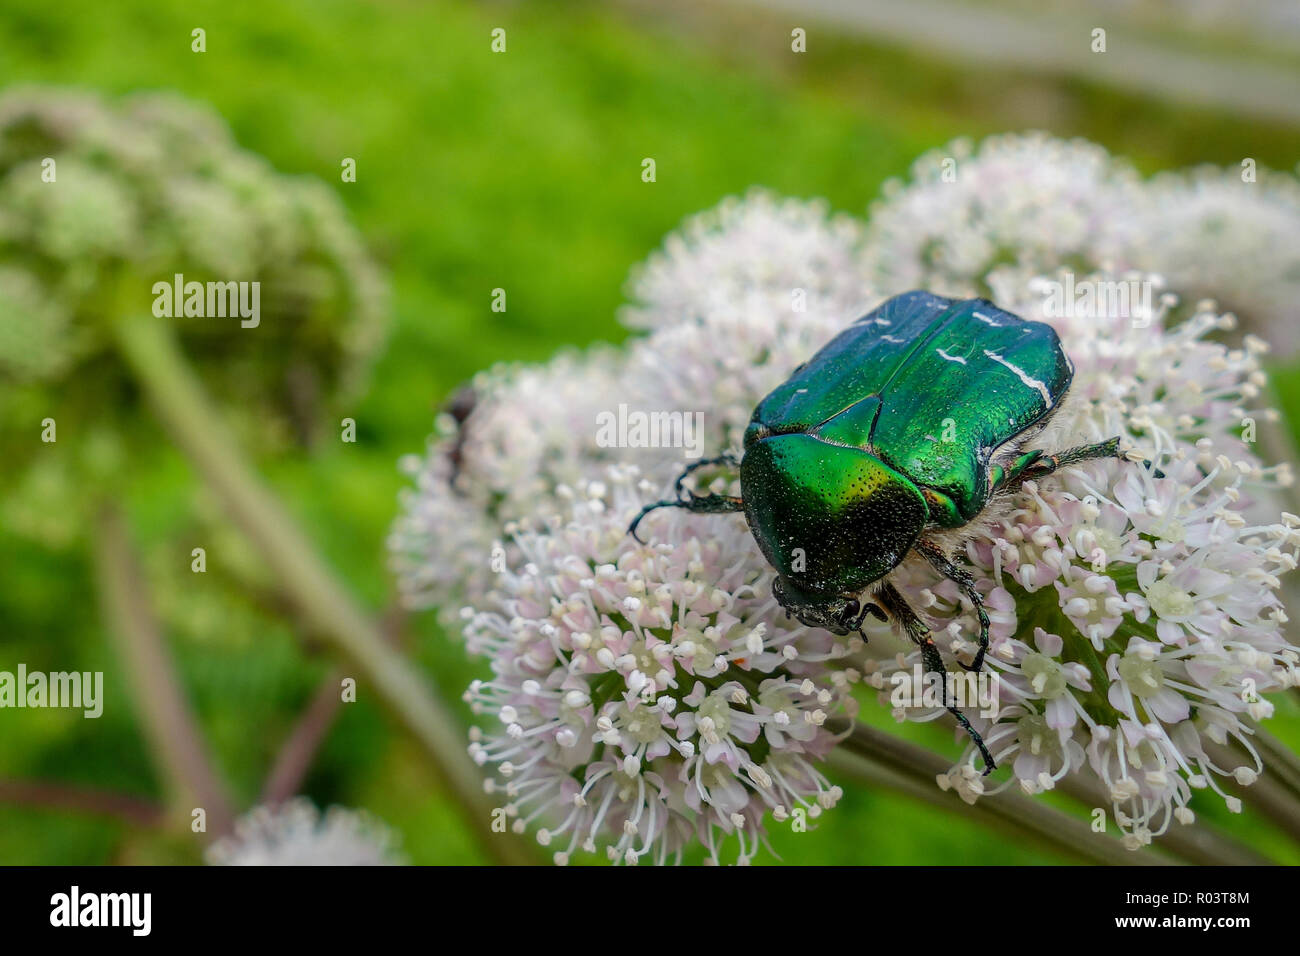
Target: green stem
[1276, 804]
[151, 352]
[1280, 761]
[176, 742]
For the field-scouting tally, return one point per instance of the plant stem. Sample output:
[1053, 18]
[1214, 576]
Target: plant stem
[1275, 803]
[883, 759]
[176, 742]
[136, 811]
[1280, 761]
[152, 354]
[295, 756]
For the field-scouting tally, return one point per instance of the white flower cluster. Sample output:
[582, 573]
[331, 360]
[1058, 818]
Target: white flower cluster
[1136, 619]
[645, 698]
[795, 257]
[647, 695]
[531, 430]
[534, 428]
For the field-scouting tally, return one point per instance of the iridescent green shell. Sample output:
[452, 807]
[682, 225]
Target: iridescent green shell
[892, 427]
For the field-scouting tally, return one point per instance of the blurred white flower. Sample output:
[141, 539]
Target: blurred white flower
[1013, 208]
[975, 221]
[1212, 235]
[151, 185]
[295, 833]
[141, 190]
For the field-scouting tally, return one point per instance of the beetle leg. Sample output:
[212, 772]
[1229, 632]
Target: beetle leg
[915, 628]
[700, 504]
[1036, 464]
[961, 577]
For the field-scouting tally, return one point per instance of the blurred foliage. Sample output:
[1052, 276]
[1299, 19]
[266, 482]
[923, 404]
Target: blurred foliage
[474, 171]
[100, 201]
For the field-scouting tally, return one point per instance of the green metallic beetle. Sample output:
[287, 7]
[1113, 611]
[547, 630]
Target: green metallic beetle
[903, 426]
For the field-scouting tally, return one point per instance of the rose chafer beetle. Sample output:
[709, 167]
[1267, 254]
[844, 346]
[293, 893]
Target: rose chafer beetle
[898, 433]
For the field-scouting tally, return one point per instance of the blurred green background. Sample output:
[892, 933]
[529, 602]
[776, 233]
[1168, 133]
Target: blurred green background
[477, 171]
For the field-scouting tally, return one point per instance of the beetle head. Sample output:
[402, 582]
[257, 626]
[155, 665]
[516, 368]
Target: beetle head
[836, 613]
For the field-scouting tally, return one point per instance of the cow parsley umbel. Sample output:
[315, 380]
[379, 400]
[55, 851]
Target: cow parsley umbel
[644, 697]
[648, 699]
